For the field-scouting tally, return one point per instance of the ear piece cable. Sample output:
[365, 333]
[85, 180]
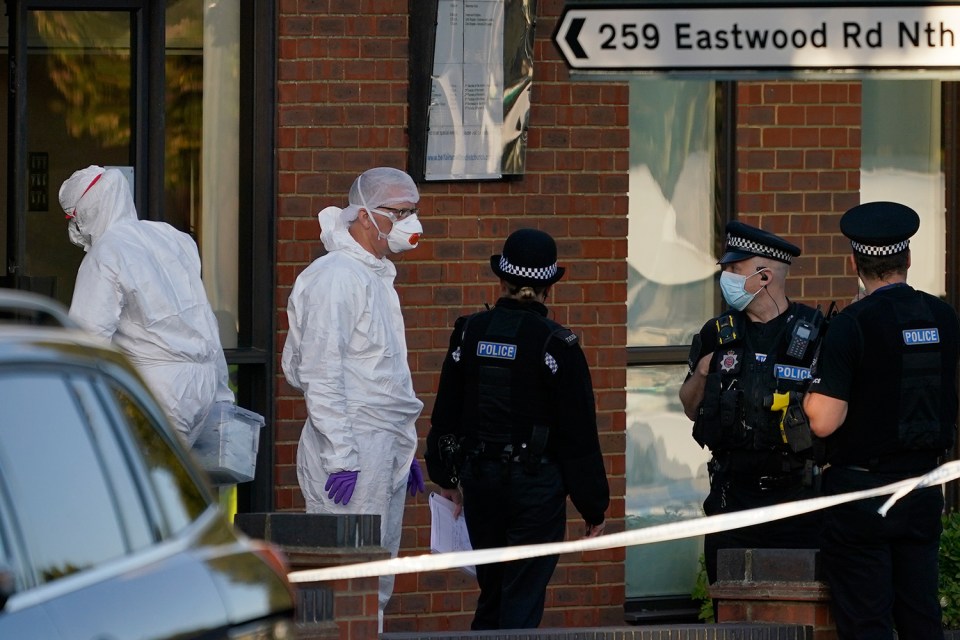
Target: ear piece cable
[765, 278]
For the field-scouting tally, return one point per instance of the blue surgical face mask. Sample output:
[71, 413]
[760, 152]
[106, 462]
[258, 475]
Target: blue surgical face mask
[734, 289]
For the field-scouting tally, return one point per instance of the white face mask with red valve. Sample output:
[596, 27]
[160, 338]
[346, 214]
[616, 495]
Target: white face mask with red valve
[404, 235]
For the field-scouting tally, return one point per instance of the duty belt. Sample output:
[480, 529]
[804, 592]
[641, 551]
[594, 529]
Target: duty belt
[769, 482]
[507, 453]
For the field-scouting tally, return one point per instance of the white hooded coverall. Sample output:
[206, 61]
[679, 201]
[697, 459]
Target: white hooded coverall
[139, 287]
[347, 352]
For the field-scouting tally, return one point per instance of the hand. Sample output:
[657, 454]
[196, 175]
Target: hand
[341, 485]
[594, 530]
[703, 365]
[454, 496]
[415, 479]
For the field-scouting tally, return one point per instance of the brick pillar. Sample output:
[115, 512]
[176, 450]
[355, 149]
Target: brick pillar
[772, 585]
[345, 609]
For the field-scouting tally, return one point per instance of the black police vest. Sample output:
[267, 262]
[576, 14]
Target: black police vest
[902, 409]
[503, 353]
[736, 413]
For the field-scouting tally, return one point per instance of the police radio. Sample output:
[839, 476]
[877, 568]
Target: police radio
[804, 333]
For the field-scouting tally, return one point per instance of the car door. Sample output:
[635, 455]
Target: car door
[98, 552]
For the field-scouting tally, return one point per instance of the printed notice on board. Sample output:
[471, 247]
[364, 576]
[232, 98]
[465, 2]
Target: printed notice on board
[446, 532]
[466, 100]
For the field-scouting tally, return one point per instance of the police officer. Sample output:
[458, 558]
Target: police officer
[747, 370]
[515, 396]
[885, 401]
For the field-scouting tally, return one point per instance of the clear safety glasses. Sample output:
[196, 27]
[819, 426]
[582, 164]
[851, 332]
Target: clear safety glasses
[396, 214]
[73, 212]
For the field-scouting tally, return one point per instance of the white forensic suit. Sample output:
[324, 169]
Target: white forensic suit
[139, 287]
[346, 350]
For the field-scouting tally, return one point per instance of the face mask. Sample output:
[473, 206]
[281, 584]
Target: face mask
[404, 235]
[73, 232]
[733, 286]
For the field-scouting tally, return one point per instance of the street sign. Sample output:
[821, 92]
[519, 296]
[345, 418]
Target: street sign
[678, 38]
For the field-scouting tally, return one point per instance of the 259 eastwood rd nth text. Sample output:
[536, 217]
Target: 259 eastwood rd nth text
[846, 35]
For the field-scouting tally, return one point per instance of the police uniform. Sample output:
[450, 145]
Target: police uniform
[761, 452]
[892, 356]
[515, 394]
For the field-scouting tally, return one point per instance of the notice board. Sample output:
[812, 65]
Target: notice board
[472, 66]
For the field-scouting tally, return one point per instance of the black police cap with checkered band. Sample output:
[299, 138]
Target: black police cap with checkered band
[880, 228]
[744, 241]
[529, 259]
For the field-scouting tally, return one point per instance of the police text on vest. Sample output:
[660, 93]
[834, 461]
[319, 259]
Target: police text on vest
[496, 350]
[921, 336]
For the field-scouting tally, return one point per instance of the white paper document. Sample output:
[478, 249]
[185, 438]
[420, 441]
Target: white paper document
[446, 533]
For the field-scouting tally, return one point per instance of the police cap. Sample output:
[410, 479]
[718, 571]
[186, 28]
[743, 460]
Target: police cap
[529, 258]
[744, 241]
[880, 228]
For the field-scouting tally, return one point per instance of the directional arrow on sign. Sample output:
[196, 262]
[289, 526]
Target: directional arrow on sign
[573, 32]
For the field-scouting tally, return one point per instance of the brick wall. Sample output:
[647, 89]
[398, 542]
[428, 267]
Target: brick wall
[342, 92]
[342, 87]
[798, 155]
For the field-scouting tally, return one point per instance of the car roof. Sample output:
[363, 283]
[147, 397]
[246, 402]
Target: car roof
[37, 329]
[21, 344]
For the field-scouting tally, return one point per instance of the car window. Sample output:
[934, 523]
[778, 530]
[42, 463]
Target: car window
[127, 492]
[181, 500]
[61, 500]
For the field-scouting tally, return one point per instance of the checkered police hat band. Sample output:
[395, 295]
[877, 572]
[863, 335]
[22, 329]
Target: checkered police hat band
[533, 273]
[752, 246]
[888, 250]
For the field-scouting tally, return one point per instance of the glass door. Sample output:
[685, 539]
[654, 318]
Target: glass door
[179, 93]
[72, 103]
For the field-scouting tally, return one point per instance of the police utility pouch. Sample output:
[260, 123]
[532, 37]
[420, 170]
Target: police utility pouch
[794, 424]
[706, 430]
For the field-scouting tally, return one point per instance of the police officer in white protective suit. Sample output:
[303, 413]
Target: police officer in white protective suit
[139, 287]
[346, 350]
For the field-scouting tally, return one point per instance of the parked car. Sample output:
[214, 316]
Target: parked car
[108, 528]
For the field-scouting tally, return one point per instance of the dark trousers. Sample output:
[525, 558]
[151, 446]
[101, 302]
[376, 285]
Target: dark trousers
[882, 571]
[505, 506]
[728, 494]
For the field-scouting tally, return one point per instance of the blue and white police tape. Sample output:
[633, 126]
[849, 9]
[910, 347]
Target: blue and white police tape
[660, 533]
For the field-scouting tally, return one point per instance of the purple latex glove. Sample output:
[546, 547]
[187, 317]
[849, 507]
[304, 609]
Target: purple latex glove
[415, 479]
[341, 485]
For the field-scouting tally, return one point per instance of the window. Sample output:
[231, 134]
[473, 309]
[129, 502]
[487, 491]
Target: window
[901, 162]
[671, 292]
[202, 183]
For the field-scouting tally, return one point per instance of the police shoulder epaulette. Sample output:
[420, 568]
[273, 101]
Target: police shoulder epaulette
[566, 336]
[463, 322]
